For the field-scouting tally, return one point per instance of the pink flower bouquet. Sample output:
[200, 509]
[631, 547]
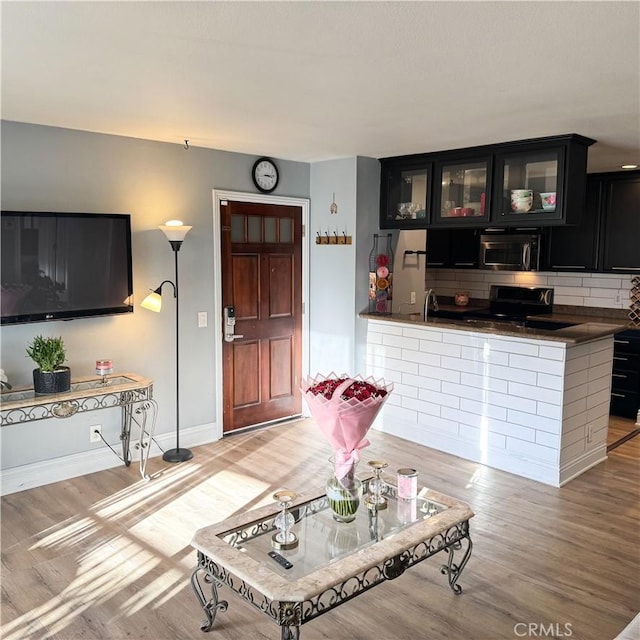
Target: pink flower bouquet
[344, 409]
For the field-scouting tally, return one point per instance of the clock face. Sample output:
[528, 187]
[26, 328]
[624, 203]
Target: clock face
[265, 175]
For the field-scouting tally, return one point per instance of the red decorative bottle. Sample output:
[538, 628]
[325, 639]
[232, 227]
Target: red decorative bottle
[380, 277]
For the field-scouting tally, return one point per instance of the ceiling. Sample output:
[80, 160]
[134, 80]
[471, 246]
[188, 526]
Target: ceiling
[312, 81]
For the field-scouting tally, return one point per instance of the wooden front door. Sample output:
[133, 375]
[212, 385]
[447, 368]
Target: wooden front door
[262, 283]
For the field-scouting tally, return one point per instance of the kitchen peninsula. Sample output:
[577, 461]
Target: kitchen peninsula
[531, 402]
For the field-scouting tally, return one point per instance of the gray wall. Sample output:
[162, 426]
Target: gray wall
[52, 169]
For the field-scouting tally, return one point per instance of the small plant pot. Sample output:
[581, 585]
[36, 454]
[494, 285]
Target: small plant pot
[45, 382]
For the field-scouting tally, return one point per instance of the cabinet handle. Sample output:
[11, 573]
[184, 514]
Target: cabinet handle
[619, 375]
[619, 395]
[625, 268]
[568, 266]
[435, 264]
[620, 358]
[618, 341]
[463, 264]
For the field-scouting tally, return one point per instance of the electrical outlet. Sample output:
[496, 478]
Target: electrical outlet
[135, 449]
[202, 319]
[589, 433]
[413, 297]
[618, 298]
[95, 432]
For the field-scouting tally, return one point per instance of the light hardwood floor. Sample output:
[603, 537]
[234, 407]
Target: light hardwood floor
[107, 556]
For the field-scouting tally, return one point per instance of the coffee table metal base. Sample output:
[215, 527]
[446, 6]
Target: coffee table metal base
[291, 615]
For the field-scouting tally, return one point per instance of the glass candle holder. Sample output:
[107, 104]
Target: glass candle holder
[284, 538]
[377, 486]
[103, 369]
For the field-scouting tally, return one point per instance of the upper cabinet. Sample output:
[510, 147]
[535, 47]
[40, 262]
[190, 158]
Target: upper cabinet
[405, 194]
[608, 236]
[539, 182]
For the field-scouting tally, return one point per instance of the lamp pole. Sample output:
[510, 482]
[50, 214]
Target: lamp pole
[175, 234]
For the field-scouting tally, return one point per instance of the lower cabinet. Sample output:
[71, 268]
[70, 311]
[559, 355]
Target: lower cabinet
[453, 248]
[625, 384]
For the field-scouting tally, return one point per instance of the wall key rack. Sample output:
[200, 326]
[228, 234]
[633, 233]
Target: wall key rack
[333, 238]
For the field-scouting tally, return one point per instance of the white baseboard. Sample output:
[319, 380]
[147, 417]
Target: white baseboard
[44, 472]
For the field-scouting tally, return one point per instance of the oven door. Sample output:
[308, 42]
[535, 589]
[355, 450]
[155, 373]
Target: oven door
[507, 253]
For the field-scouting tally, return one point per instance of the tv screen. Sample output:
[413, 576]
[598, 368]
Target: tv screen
[58, 266]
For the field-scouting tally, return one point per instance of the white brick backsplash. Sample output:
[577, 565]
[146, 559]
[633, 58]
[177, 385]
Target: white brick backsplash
[483, 409]
[527, 348]
[548, 410]
[550, 382]
[441, 348]
[572, 408]
[598, 398]
[547, 439]
[548, 425]
[402, 342]
[483, 382]
[535, 393]
[438, 373]
[439, 398]
[374, 337]
[384, 351]
[518, 404]
[554, 367]
[421, 357]
[504, 400]
[428, 408]
[400, 413]
[406, 390]
[578, 289]
[533, 450]
[420, 382]
[552, 353]
[388, 328]
[576, 379]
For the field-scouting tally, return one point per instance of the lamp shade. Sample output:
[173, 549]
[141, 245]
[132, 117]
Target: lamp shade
[153, 302]
[175, 230]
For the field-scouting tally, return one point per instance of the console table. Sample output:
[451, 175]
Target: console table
[130, 391]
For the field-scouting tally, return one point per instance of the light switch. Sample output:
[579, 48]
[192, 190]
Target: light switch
[202, 318]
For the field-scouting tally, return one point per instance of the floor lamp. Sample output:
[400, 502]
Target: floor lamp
[175, 232]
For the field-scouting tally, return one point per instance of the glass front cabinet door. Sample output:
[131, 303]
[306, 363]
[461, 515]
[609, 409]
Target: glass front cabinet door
[405, 195]
[463, 188]
[541, 181]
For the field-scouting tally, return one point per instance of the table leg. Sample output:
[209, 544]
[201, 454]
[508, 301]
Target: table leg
[454, 570]
[211, 606]
[290, 633]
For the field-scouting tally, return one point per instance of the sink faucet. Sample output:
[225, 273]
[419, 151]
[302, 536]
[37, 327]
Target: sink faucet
[430, 295]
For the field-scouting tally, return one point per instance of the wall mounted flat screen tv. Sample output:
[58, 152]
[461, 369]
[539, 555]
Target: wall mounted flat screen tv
[59, 266]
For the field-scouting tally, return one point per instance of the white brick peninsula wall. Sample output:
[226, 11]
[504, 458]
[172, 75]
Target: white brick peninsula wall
[535, 407]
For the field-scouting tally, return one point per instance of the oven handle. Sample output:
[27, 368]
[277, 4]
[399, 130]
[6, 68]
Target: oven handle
[526, 256]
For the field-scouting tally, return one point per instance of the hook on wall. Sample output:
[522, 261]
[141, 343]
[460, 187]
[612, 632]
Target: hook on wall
[186, 145]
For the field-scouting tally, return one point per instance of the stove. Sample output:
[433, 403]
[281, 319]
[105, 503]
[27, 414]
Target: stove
[513, 304]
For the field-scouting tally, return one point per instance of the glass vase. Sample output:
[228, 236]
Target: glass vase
[344, 491]
[380, 276]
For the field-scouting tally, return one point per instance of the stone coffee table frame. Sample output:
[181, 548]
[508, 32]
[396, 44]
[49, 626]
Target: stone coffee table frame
[291, 603]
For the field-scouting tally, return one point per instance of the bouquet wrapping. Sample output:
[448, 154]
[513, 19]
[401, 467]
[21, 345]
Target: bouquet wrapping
[344, 409]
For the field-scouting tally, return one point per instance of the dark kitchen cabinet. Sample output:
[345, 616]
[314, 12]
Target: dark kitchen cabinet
[608, 237]
[625, 382]
[576, 248]
[478, 186]
[453, 248]
[405, 194]
[621, 215]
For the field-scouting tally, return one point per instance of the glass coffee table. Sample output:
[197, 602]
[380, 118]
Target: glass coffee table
[332, 562]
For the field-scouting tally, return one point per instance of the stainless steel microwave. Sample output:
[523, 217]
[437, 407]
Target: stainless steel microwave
[510, 251]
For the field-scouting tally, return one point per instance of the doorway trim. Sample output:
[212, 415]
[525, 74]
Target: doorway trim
[241, 196]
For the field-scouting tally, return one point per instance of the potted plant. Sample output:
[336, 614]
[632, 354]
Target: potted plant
[49, 354]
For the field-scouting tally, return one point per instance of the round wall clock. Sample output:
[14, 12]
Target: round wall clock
[265, 175]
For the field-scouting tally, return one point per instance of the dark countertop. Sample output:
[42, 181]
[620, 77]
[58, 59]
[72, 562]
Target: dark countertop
[587, 327]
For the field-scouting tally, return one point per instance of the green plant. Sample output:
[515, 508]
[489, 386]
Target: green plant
[48, 353]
